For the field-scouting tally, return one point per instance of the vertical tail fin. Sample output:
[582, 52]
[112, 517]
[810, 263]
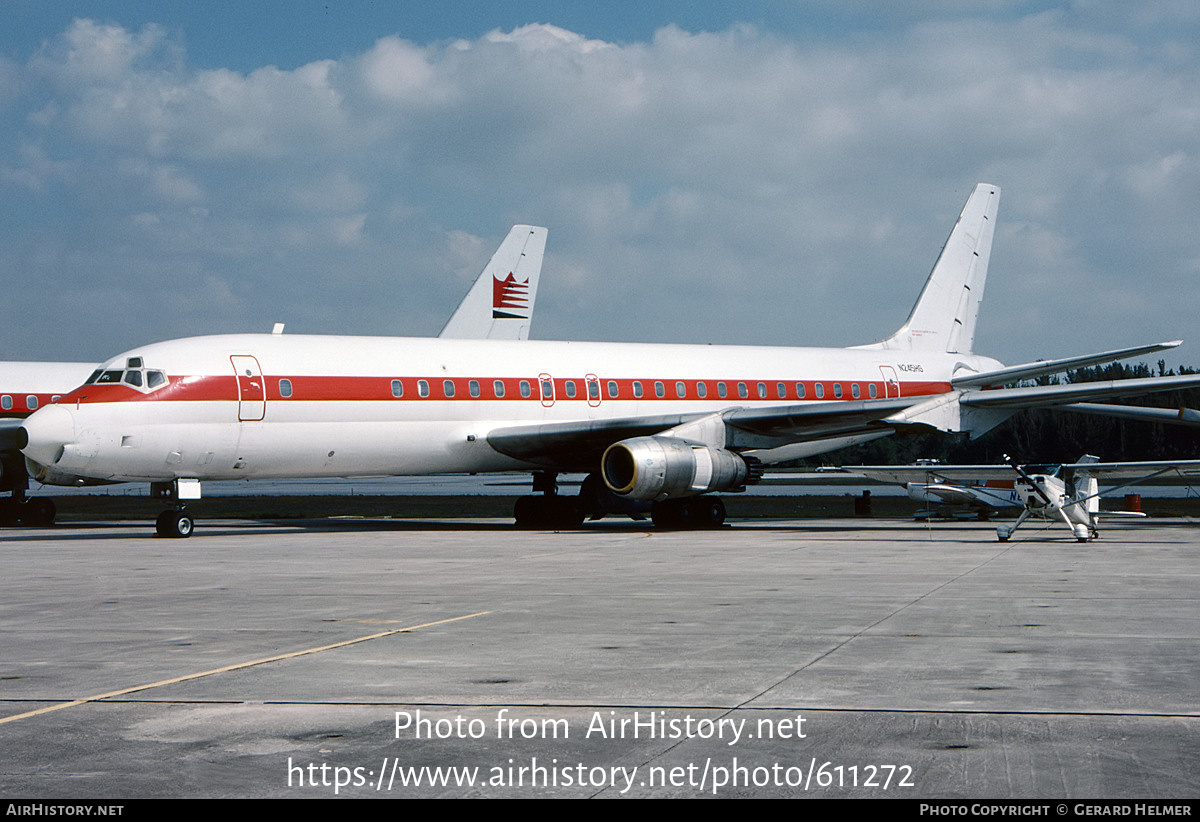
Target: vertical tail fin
[499, 305]
[944, 317]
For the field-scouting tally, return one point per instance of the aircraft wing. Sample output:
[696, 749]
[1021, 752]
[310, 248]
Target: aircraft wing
[579, 445]
[1043, 395]
[1013, 373]
[904, 474]
[1175, 416]
[962, 473]
[1187, 469]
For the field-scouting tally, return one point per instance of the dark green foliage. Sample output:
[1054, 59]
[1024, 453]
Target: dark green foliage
[1045, 435]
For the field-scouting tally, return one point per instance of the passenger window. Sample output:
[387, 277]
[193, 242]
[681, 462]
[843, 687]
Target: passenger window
[855, 391]
[593, 389]
[423, 388]
[680, 390]
[800, 390]
[660, 391]
[701, 390]
[6, 402]
[612, 389]
[819, 390]
[722, 391]
[837, 390]
[743, 391]
[547, 389]
[473, 387]
[397, 389]
[872, 390]
[781, 390]
[498, 388]
[526, 390]
[448, 388]
[569, 388]
[637, 389]
[31, 402]
[762, 390]
[285, 388]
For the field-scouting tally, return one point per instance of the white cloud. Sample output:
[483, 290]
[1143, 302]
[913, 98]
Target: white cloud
[725, 186]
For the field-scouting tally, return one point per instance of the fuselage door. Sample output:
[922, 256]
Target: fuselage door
[593, 390]
[252, 389]
[891, 384]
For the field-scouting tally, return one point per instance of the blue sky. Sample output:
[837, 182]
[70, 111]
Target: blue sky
[775, 173]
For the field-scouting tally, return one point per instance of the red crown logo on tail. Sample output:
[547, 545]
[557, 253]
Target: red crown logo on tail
[510, 298]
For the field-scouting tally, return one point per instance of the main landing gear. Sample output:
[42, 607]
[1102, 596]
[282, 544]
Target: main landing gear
[548, 510]
[175, 522]
[688, 513]
[560, 513]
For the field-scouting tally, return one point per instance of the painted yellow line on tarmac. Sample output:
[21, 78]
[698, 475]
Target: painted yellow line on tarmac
[237, 666]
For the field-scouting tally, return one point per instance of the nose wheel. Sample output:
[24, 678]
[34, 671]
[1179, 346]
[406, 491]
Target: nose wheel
[175, 524]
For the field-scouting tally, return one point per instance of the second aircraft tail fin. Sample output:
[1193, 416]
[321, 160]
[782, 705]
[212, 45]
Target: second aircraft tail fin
[499, 305]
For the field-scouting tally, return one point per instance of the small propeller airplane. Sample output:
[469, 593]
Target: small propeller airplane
[1069, 492]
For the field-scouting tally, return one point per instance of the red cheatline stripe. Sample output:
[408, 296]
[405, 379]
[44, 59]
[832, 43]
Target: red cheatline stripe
[467, 389]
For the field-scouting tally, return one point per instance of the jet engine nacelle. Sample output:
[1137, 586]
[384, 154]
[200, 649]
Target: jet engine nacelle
[658, 468]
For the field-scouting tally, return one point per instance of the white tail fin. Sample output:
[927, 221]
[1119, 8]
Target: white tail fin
[944, 317]
[499, 305]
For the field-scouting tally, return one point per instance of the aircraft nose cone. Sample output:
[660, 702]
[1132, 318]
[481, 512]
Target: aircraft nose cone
[46, 432]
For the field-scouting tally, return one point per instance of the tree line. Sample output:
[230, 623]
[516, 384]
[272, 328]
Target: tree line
[1046, 435]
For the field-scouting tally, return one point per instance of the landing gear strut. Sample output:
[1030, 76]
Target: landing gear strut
[549, 510]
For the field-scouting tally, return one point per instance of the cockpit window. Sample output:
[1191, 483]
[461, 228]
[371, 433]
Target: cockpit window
[135, 375]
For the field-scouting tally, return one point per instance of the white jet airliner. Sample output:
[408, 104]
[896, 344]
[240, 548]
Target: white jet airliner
[499, 306]
[665, 424]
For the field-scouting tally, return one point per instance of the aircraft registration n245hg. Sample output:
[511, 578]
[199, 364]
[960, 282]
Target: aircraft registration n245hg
[662, 424]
